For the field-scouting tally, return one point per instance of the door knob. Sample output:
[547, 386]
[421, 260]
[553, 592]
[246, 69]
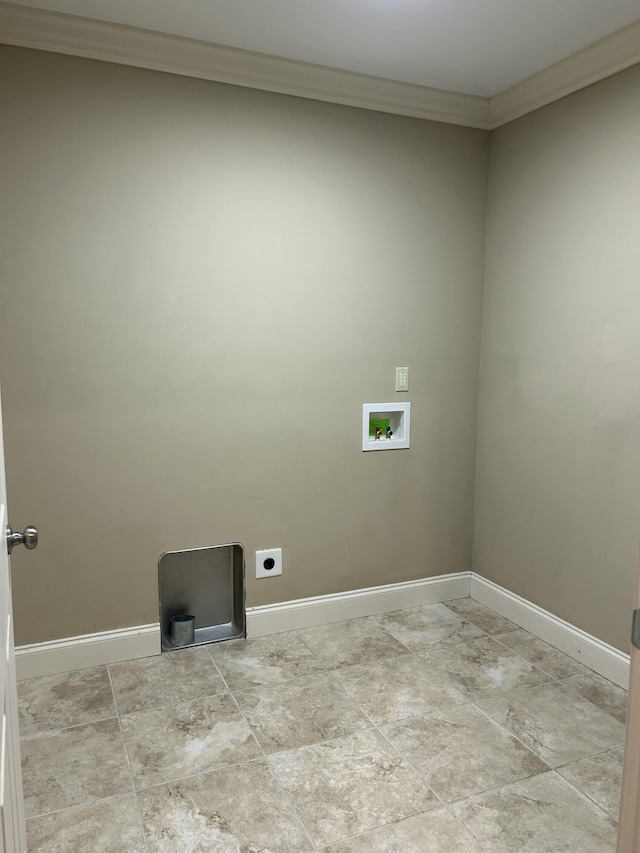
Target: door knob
[28, 538]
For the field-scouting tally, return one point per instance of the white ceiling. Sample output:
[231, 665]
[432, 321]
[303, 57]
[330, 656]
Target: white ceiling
[478, 47]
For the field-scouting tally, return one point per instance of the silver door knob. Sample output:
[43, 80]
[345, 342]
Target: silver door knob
[28, 538]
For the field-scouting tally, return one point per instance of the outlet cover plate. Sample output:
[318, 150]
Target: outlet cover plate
[402, 378]
[270, 557]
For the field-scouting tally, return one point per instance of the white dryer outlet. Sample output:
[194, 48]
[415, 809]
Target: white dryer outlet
[269, 563]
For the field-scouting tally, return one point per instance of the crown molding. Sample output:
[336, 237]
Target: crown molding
[601, 59]
[24, 26]
[40, 29]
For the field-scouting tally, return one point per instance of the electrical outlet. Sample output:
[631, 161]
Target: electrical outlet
[402, 378]
[269, 563]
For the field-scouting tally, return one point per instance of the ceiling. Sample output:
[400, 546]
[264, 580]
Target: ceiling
[477, 47]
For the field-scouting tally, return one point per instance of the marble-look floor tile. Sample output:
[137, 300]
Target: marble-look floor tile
[541, 654]
[395, 688]
[429, 625]
[556, 723]
[436, 831]
[69, 699]
[265, 660]
[347, 786]
[484, 667]
[299, 712]
[351, 642]
[73, 767]
[460, 752]
[538, 815]
[110, 826]
[602, 693]
[482, 617]
[165, 679]
[236, 810]
[599, 777]
[182, 740]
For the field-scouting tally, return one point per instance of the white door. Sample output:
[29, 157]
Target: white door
[629, 823]
[13, 837]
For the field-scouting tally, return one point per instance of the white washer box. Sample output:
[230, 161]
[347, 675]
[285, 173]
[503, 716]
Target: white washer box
[399, 417]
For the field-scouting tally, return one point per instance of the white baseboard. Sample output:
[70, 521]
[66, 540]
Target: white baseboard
[324, 609]
[144, 640]
[38, 659]
[589, 650]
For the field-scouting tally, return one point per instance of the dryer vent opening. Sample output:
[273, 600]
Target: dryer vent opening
[208, 584]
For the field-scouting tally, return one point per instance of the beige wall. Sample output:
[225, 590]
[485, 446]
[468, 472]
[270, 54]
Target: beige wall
[558, 477]
[200, 286]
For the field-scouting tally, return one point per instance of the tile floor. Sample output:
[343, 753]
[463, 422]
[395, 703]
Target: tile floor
[438, 729]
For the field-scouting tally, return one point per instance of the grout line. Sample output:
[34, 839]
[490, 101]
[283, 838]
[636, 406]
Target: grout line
[389, 631]
[332, 675]
[353, 701]
[181, 703]
[86, 805]
[262, 759]
[479, 842]
[306, 745]
[333, 624]
[324, 671]
[540, 666]
[392, 822]
[128, 757]
[499, 787]
[463, 825]
[480, 695]
[515, 737]
[415, 770]
[218, 671]
[213, 769]
[291, 801]
[265, 757]
[441, 709]
[240, 711]
[374, 727]
[293, 633]
[530, 749]
[586, 796]
[551, 682]
[221, 768]
[275, 684]
[324, 742]
[393, 636]
[589, 757]
[297, 634]
[449, 705]
[50, 732]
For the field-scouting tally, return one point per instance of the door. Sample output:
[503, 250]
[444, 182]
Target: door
[629, 823]
[13, 837]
